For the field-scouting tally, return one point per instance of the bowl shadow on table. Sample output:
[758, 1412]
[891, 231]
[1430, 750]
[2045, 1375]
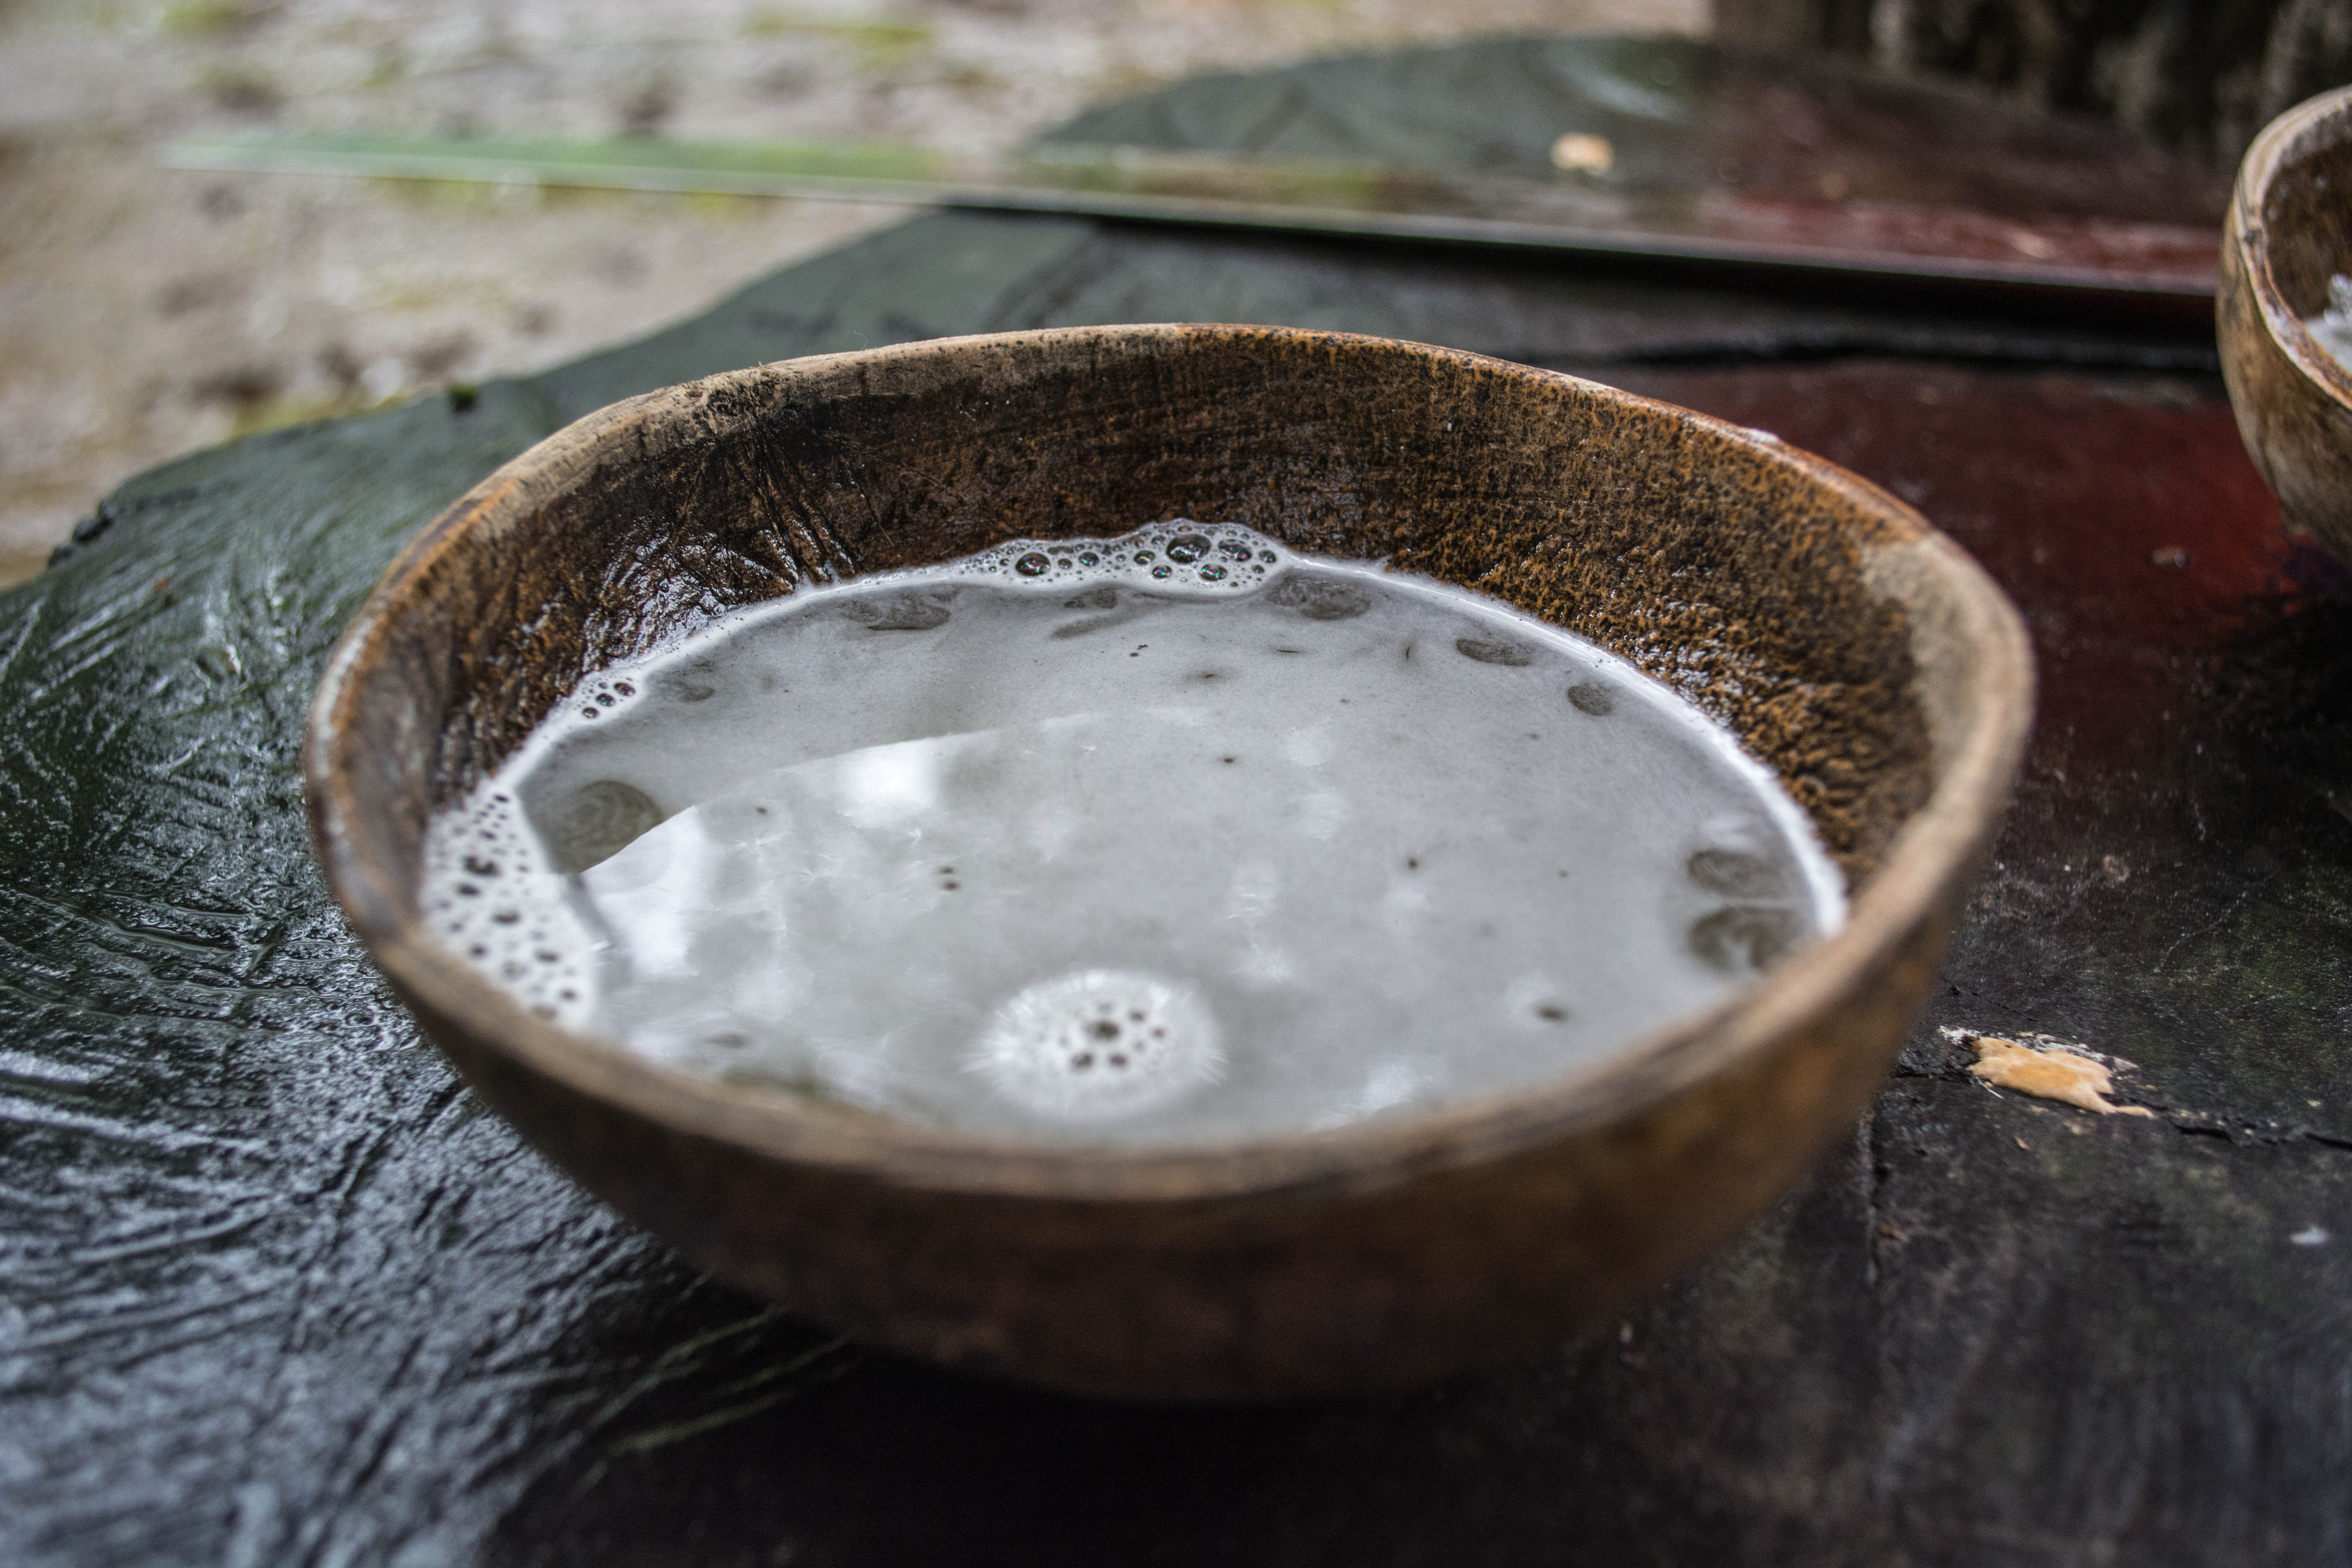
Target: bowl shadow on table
[781, 1443]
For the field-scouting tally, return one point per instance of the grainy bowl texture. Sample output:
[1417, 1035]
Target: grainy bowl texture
[2289, 231]
[1852, 648]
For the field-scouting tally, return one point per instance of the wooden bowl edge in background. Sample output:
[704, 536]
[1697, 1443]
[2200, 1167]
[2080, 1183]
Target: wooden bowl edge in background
[2293, 400]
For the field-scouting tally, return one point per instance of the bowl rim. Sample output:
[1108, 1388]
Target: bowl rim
[2320, 122]
[1936, 847]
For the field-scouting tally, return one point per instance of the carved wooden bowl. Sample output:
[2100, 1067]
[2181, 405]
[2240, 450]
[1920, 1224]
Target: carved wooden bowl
[2289, 231]
[1855, 649]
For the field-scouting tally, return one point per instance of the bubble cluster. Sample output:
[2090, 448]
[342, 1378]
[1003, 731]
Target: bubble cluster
[1746, 937]
[1100, 1043]
[489, 895]
[1322, 598]
[902, 612]
[1767, 921]
[1174, 556]
[1591, 697]
[597, 821]
[602, 695]
[1495, 650]
[502, 898]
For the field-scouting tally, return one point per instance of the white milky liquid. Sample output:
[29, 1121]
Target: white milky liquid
[1169, 839]
[2333, 327]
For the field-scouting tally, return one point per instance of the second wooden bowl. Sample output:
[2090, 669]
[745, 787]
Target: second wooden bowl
[2289, 233]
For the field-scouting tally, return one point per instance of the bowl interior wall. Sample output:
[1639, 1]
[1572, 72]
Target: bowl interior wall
[1707, 559]
[2307, 215]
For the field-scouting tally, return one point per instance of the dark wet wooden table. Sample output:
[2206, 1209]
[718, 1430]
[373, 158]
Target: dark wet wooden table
[273, 1291]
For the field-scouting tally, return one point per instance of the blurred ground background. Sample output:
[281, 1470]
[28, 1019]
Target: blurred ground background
[145, 311]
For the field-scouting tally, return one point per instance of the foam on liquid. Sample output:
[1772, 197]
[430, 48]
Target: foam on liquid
[1170, 838]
